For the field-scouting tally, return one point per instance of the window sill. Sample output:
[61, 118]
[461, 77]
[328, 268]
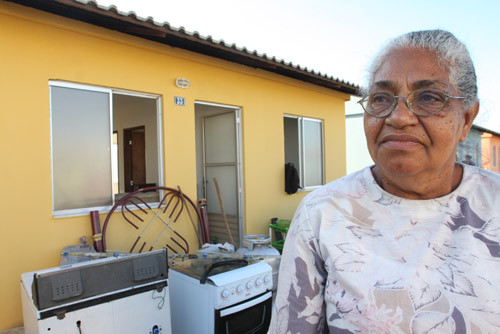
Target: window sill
[309, 188]
[150, 198]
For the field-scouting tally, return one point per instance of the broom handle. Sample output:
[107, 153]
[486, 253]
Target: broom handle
[223, 211]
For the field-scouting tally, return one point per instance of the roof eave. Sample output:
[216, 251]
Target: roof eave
[148, 29]
[483, 129]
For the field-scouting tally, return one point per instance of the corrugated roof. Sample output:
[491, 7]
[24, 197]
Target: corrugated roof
[90, 11]
[483, 129]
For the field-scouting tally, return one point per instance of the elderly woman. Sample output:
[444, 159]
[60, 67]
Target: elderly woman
[410, 244]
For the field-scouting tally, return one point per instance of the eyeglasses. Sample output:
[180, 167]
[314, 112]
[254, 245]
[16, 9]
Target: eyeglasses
[421, 102]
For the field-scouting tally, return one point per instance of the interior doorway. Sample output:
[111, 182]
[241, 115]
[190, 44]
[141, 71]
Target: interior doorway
[134, 158]
[218, 153]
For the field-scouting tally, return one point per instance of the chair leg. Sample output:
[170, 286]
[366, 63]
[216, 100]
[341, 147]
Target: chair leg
[96, 230]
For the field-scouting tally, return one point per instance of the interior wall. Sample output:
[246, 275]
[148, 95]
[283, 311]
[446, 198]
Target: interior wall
[133, 111]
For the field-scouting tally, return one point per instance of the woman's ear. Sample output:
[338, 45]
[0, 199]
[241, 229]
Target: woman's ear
[469, 116]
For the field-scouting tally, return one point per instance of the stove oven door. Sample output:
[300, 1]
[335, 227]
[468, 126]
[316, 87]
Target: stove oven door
[249, 317]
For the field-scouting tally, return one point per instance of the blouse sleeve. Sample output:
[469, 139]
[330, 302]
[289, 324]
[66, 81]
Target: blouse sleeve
[299, 304]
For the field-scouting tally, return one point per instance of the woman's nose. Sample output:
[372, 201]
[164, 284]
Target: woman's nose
[401, 116]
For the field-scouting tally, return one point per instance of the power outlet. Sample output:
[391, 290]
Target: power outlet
[67, 285]
[144, 268]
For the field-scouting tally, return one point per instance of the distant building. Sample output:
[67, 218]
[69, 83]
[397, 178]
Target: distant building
[471, 147]
[490, 150]
[357, 155]
[481, 148]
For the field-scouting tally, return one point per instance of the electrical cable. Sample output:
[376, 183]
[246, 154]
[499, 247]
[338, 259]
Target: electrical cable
[161, 297]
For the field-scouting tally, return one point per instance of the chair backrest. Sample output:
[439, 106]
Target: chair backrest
[136, 225]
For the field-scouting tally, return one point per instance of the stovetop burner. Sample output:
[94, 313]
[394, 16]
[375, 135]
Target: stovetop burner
[201, 267]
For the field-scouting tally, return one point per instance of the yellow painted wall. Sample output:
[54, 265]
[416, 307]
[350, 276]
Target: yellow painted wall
[37, 47]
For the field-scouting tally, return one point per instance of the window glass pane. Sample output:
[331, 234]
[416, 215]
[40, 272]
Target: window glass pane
[498, 156]
[494, 156]
[291, 128]
[477, 157]
[313, 153]
[135, 122]
[227, 180]
[220, 139]
[81, 152]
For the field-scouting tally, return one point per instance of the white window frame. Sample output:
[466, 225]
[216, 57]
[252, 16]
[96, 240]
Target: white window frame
[302, 165]
[110, 91]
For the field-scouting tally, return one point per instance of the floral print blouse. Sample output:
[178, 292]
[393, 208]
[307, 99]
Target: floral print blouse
[360, 260]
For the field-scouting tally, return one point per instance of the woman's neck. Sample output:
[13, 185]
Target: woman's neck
[422, 186]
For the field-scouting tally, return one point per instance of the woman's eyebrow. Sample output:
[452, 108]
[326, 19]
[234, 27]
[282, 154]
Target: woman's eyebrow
[385, 84]
[391, 85]
[425, 83]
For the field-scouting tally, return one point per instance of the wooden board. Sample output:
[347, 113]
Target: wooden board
[218, 230]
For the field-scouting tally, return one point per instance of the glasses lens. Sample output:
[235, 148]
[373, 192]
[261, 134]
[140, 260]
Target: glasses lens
[378, 103]
[427, 101]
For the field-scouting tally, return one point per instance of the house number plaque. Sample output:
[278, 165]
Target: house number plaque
[179, 101]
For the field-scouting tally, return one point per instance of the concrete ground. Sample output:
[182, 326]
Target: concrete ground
[18, 330]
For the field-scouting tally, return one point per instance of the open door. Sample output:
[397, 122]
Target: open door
[134, 158]
[218, 152]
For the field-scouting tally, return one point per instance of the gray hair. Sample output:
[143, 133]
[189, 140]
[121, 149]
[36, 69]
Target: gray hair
[452, 55]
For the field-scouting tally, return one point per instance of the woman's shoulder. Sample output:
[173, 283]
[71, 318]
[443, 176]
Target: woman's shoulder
[479, 189]
[476, 176]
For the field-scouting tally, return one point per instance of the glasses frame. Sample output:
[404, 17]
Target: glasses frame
[408, 103]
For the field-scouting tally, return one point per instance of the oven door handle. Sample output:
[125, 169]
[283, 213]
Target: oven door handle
[241, 307]
[236, 262]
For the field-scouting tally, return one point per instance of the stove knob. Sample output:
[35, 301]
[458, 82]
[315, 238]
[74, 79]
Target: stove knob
[224, 293]
[267, 279]
[258, 281]
[239, 288]
[249, 285]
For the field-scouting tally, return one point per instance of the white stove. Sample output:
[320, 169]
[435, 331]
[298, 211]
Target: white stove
[232, 296]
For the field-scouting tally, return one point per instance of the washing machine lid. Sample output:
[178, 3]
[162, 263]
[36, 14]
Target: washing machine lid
[57, 286]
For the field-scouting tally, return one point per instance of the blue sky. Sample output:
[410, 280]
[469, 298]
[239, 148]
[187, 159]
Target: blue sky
[340, 37]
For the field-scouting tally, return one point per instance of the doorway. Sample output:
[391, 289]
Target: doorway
[218, 156]
[134, 158]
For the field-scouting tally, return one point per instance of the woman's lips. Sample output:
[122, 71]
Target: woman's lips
[401, 141]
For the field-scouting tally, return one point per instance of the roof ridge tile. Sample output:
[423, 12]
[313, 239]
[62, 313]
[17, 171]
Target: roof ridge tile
[56, 7]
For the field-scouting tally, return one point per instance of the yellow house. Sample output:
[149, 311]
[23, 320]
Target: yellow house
[79, 81]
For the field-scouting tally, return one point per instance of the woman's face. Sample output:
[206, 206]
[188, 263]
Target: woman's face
[404, 144]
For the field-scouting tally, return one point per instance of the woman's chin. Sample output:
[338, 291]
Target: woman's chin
[400, 167]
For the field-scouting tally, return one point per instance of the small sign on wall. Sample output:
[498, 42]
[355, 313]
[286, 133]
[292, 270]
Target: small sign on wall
[179, 101]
